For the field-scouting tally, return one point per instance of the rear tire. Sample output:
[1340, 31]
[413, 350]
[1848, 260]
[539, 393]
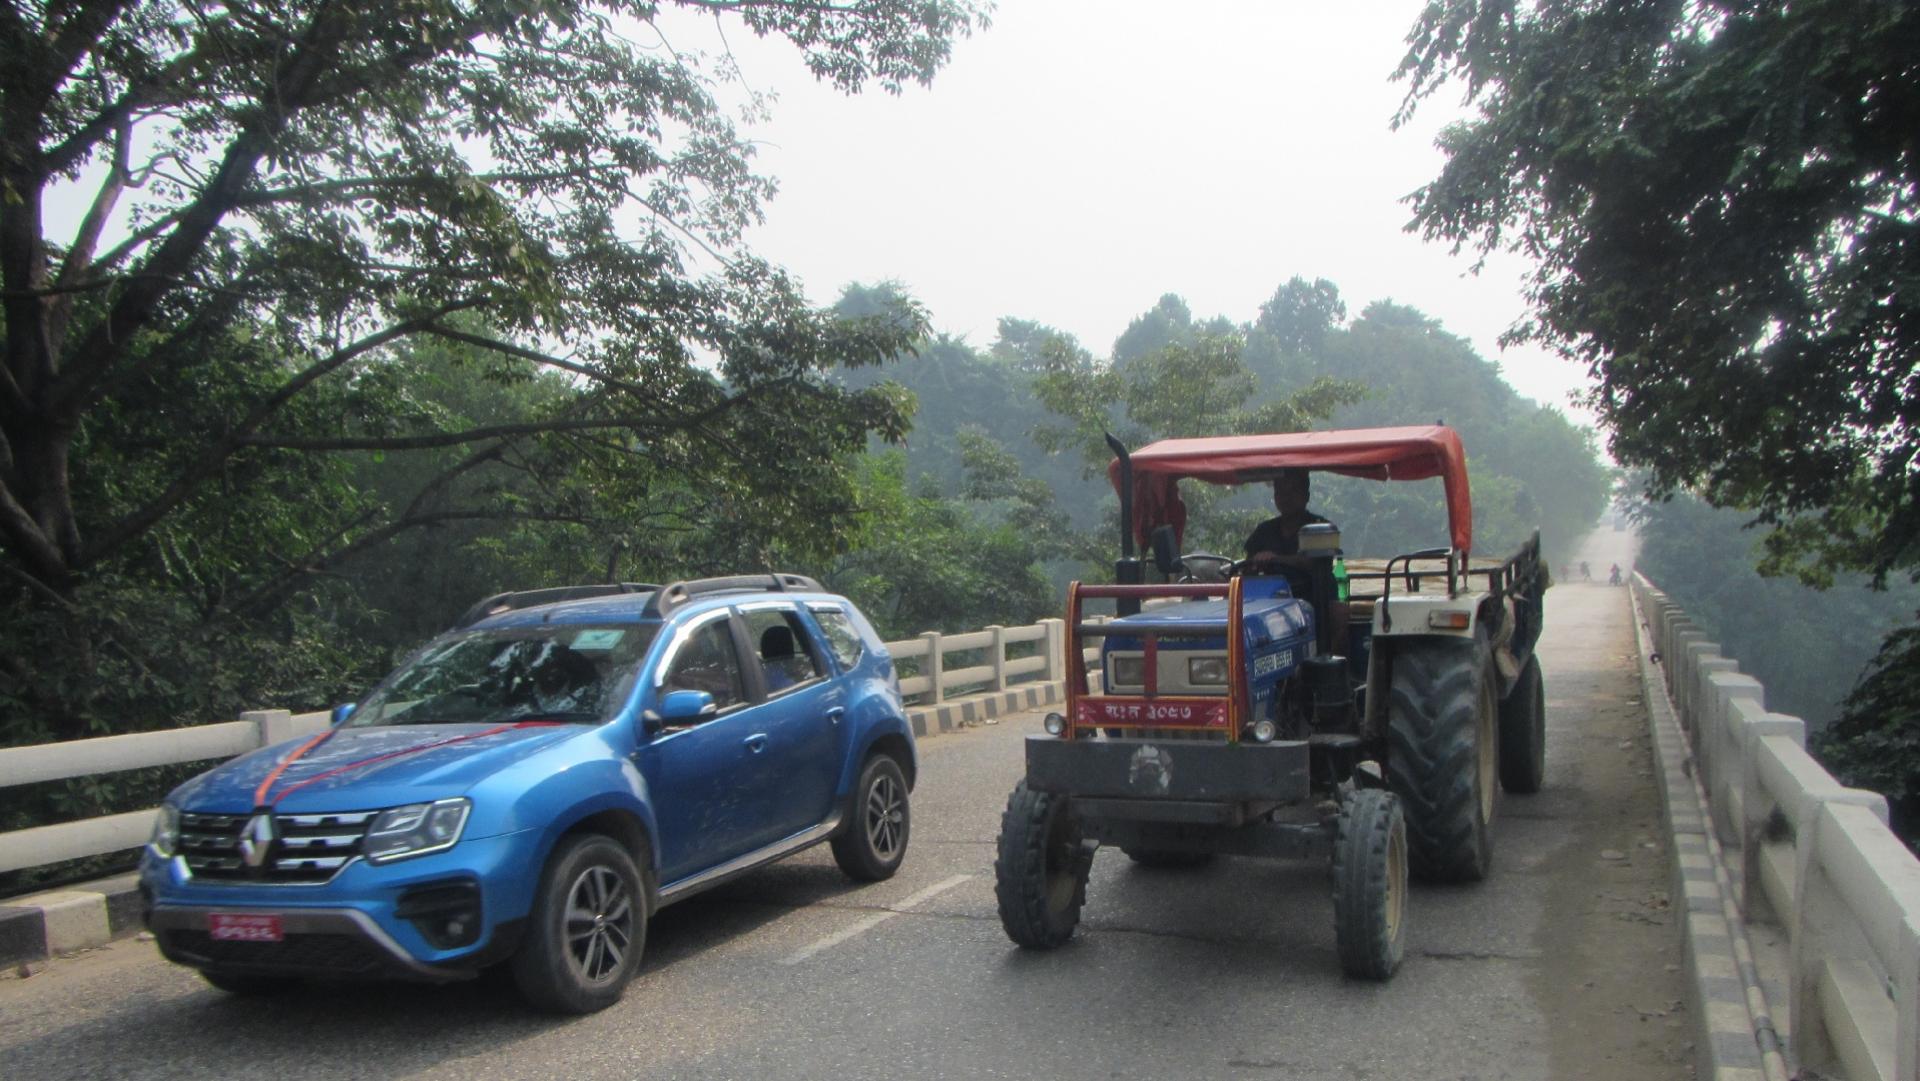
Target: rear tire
[872, 846]
[588, 927]
[1523, 733]
[1442, 756]
[1040, 871]
[1370, 885]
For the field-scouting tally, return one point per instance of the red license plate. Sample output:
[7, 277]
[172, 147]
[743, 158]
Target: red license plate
[234, 927]
[1144, 713]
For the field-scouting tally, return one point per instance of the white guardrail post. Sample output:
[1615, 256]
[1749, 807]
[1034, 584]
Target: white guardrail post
[934, 668]
[997, 656]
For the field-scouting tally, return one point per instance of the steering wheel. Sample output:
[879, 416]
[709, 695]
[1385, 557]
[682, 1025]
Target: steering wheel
[1221, 570]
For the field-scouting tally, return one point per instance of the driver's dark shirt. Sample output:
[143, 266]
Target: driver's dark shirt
[1268, 536]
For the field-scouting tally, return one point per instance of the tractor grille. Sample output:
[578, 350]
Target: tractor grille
[307, 850]
[341, 955]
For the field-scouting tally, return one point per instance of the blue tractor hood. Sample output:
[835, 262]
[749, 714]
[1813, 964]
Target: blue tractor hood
[376, 767]
[1266, 619]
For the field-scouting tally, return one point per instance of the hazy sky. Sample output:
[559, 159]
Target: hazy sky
[1079, 159]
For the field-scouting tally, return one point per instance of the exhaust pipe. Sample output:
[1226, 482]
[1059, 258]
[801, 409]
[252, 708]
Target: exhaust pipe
[1127, 570]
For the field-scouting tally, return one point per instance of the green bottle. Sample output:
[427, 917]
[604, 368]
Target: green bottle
[1340, 577]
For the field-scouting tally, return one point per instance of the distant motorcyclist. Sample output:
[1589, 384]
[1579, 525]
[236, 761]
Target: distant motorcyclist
[1586, 572]
[1613, 579]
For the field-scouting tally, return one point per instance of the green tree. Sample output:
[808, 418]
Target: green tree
[1720, 201]
[282, 200]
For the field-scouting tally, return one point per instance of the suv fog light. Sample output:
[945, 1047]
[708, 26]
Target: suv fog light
[1054, 723]
[1264, 730]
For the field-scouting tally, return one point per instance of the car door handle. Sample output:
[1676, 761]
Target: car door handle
[756, 742]
[834, 714]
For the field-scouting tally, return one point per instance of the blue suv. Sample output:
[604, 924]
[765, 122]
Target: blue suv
[528, 788]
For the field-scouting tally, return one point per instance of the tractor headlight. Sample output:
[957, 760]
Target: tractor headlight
[416, 829]
[1054, 723]
[166, 832]
[1264, 730]
[1128, 671]
[1207, 672]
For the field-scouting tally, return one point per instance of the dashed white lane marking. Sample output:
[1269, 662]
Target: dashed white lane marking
[907, 904]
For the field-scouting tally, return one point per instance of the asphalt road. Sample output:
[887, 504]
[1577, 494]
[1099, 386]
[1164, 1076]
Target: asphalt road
[1564, 964]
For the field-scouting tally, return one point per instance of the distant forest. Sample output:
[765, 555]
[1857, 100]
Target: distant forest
[1809, 646]
[1006, 440]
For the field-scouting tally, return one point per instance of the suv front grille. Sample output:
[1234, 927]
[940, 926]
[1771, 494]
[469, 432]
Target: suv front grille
[308, 849]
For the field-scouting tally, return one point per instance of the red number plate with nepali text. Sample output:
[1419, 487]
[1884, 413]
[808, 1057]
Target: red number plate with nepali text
[1151, 713]
[236, 927]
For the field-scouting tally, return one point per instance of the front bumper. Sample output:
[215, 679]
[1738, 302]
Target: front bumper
[1180, 770]
[368, 922]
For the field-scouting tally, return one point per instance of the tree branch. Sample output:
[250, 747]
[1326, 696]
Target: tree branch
[199, 472]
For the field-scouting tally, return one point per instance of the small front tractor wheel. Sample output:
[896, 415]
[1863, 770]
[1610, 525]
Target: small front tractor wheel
[1523, 733]
[1442, 758]
[1040, 872]
[1370, 885]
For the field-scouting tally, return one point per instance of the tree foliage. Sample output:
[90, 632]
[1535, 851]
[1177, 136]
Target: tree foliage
[298, 217]
[1721, 202]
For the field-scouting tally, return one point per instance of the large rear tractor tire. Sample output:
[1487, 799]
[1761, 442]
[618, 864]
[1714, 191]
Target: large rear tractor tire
[1370, 885]
[1442, 758]
[1523, 733]
[1040, 871]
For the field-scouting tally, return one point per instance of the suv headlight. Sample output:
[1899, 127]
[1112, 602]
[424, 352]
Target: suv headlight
[1207, 672]
[1128, 671]
[166, 832]
[416, 829]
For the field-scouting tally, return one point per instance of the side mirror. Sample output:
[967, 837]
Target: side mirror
[679, 707]
[343, 711]
[1166, 557]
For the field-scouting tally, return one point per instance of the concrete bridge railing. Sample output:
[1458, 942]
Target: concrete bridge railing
[1806, 853]
[934, 684]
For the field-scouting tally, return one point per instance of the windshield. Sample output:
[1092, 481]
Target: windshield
[550, 672]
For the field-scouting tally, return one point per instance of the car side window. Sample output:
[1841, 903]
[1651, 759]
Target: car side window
[787, 651]
[708, 662]
[842, 638]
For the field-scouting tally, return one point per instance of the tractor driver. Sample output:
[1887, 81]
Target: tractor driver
[1280, 536]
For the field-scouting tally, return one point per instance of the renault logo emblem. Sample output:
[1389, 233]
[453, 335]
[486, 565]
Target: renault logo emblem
[256, 841]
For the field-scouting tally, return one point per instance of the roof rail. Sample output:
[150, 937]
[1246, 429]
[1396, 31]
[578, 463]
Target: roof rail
[529, 598]
[670, 597]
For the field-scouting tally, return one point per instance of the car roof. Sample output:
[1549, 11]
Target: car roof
[636, 603]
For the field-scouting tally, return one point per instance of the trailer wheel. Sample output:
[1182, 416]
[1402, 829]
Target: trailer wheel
[1523, 733]
[1167, 857]
[1370, 885]
[1040, 872]
[1442, 758]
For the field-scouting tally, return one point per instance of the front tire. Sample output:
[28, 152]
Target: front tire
[872, 846]
[587, 930]
[1370, 885]
[1442, 756]
[1040, 871]
[1523, 733]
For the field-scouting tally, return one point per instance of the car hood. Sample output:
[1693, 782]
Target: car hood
[367, 768]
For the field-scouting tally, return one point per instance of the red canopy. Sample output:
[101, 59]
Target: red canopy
[1376, 453]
